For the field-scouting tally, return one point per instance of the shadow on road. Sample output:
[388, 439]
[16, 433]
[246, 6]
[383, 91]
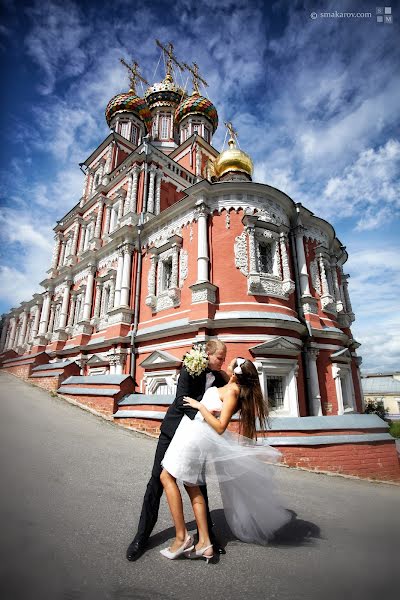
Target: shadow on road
[295, 533]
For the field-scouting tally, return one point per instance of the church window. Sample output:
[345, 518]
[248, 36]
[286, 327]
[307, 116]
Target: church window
[114, 216]
[89, 233]
[278, 379]
[265, 258]
[166, 277]
[207, 134]
[196, 128]
[275, 393]
[124, 129]
[134, 134]
[165, 123]
[341, 373]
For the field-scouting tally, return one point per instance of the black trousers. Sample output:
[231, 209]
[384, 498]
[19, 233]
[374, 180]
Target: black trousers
[154, 491]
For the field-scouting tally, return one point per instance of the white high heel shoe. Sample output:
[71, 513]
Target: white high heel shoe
[186, 547]
[193, 554]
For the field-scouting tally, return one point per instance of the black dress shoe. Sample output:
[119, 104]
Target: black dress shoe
[135, 550]
[218, 549]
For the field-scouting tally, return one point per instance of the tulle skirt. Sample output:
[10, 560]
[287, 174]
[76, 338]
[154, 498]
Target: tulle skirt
[244, 470]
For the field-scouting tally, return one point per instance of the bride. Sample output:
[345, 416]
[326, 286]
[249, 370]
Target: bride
[240, 464]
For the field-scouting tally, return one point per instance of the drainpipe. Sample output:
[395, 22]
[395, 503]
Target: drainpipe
[137, 298]
[300, 312]
[139, 264]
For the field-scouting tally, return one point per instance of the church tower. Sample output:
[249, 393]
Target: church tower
[127, 113]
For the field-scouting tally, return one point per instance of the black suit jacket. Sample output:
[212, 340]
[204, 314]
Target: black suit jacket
[194, 387]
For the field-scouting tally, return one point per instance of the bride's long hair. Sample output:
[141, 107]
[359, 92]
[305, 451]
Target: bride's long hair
[252, 403]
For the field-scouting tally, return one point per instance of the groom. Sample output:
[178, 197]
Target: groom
[194, 387]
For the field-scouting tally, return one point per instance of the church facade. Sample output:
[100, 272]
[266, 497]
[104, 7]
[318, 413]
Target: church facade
[172, 243]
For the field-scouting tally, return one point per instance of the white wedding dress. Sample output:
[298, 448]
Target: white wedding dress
[197, 453]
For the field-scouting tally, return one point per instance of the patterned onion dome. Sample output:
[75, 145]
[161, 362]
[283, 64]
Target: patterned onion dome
[164, 93]
[129, 102]
[233, 159]
[197, 105]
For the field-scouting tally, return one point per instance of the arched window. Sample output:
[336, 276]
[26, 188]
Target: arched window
[134, 134]
[165, 127]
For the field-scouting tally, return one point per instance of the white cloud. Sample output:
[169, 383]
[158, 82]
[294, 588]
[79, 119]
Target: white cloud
[374, 289]
[54, 41]
[369, 188]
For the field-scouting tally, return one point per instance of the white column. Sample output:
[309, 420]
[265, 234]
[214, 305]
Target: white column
[346, 294]
[36, 322]
[64, 306]
[120, 267]
[158, 192]
[99, 217]
[85, 184]
[12, 334]
[107, 168]
[284, 256]
[44, 317]
[75, 239]
[134, 189]
[23, 328]
[301, 262]
[107, 219]
[4, 333]
[56, 250]
[202, 243]
[252, 249]
[198, 162]
[336, 287]
[87, 304]
[150, 196]
[324, 280]
[126, 276]
[175, 260]
[112, 294]
[51, 320]
[312, 355]
[91, 182]
[62, 253]
[99, 289]
[120, 208]
[82, 239]
[71, 313]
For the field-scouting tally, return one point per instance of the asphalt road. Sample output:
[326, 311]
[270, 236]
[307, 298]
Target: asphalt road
[72, 486]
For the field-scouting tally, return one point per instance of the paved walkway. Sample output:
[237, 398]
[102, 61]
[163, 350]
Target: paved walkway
[72, 486]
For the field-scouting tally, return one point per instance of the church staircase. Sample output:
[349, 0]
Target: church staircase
[50, 376]
[22, 365]
[100, 393]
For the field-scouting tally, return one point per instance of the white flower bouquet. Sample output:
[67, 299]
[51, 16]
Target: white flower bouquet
[196, 360]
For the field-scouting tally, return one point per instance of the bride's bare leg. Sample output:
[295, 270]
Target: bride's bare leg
[200, 514]
[174, 499]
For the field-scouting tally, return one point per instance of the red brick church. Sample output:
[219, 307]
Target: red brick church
[173, 243]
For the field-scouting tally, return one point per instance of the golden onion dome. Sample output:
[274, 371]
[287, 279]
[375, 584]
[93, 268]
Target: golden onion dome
[233, 159]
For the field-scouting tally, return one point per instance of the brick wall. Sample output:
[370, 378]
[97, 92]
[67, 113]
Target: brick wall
[373, 460]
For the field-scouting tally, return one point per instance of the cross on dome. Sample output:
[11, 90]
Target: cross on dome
[196, 77]
[169, 54]
[232, 131]
[133, 75]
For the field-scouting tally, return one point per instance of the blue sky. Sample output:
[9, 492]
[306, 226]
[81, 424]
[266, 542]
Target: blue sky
[315, 103]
